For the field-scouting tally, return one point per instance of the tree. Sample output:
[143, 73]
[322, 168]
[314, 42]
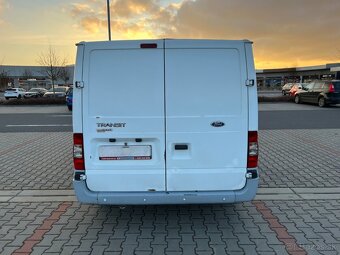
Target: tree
[52, 65]
[4, 78]
[27, 74]
[65, 74]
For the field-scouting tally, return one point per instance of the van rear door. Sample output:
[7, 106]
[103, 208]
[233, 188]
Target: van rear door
[123, 116]
[206, 115]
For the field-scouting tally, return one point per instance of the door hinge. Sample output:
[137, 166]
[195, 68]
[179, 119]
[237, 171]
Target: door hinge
[250, 83]
[79, 84]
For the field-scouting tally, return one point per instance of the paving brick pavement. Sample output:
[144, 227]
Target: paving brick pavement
[299, 158]
[288, 158]
[35, 161]
[193, 229]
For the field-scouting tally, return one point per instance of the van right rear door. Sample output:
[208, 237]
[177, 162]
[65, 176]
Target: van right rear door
[206, 115]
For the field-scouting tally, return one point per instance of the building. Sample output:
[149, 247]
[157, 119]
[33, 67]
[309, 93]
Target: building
[31, 77]
[273, 78]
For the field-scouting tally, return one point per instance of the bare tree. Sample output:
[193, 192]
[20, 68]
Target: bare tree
[27, 74]
[65, 74]
[4, 78]
[52, 65]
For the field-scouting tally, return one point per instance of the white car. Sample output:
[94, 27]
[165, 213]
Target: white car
[14, 93]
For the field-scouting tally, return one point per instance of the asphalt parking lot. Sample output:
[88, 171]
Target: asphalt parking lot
[296, 211]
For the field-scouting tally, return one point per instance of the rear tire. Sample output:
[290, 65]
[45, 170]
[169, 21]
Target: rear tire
[69, 108]
[6, 98]
[297, 99]
[283, 92]
[19, 97]
[322, 102]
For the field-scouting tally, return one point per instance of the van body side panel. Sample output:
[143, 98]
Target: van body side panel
[252, 91]
[77, 104]
[206, 111]
[124, 125]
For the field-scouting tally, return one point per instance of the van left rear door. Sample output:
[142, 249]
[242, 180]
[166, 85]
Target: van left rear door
[123, 117]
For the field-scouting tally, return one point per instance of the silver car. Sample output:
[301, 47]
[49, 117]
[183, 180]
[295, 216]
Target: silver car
[58, 92]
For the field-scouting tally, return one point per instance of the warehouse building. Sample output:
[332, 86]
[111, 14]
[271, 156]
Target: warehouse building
[33, 76]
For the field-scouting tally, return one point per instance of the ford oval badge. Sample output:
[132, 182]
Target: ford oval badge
[217, 124]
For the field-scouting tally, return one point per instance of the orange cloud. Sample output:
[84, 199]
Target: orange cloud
[1, 10]
[285, 33]
[81, 9]
[91, 24]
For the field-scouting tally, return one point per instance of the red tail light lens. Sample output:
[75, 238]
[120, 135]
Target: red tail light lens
[253, 149]
[331, 88]
[78, 152]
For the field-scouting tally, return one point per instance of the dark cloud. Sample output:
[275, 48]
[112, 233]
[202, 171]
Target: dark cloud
[286, 33]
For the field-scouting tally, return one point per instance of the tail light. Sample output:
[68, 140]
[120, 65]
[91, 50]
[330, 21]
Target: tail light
[78, 152]
[253, 149]
[331, 88]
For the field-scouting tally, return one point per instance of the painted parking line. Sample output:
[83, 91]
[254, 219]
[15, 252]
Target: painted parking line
[47, 125]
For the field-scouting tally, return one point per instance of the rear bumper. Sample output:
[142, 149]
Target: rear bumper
[84, 195]
[331, 100]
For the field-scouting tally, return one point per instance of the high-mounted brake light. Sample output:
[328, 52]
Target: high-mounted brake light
[148, 45]
[331, 88]
[78, 151]
[252, 149]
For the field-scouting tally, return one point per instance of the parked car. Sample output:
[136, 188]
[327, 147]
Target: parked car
[296, 87]
[286, 88]
[58, 92]
[14, 93]
[35, 92]
[322, 93]
[69, 98]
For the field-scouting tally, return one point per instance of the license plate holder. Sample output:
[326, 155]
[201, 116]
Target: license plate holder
[123, 152]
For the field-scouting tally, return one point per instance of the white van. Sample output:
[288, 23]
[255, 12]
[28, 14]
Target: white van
[165, 122]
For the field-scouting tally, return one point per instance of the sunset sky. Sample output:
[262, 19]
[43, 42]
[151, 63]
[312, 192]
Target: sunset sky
[285, 33]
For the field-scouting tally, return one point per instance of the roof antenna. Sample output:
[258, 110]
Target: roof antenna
[109, 19]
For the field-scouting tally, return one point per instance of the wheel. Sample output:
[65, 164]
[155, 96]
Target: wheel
[322, 102]
[19, 97]
[7, 98]
[297, 99]
[69, 108]
[283, 92]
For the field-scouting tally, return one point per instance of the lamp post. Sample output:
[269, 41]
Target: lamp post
[109, 19]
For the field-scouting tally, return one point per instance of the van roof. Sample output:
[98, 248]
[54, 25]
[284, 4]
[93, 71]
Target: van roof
[169, 39]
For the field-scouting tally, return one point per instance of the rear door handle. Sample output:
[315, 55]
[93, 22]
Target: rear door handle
[181, 147]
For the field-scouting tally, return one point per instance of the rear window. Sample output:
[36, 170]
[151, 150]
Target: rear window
[69, 92]
[336, 85]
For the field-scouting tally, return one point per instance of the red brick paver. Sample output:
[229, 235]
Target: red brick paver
[281, 231]
[39, 233]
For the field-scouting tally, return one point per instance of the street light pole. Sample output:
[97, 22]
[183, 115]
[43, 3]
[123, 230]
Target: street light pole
[109, 19]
